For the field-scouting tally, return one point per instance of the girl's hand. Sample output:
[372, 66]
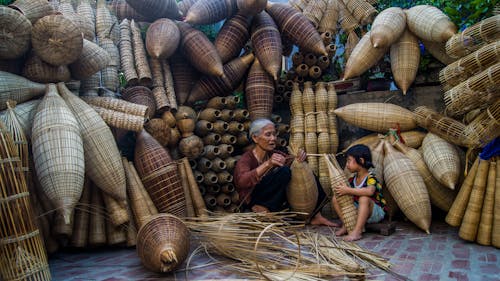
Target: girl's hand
[341, 190]
[301, 156]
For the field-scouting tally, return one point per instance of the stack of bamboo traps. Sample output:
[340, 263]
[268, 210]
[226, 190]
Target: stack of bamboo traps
[272, 246]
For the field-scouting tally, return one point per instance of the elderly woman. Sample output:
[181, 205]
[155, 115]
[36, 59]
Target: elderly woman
[262, 174]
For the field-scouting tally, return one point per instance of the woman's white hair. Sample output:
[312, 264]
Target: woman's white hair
[257, 125]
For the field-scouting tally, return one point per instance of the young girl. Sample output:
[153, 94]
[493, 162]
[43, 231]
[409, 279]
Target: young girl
[365, 189]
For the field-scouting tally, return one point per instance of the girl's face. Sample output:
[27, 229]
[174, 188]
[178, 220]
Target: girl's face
[352, 165]
[266, 140]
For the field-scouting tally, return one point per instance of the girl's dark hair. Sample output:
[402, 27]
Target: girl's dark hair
[359, 151]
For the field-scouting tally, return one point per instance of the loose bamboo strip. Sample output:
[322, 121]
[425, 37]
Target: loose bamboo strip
[140, 57]
[485, 225]
[169, 85]
[198, 202]
[120, 120]
[457, 210]
[126, 54]
[470, 221]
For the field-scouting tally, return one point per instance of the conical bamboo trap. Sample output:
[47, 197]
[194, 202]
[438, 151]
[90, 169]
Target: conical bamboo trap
[266, 42]
[363, 11]
[259, 91]
[39, 71]
[485, 228]
[347, 20]
[123, 10]
[330, 17]
[438, 51]
[232, 37]
[210, 11]
[152, 9]
[162, 38]
[92, 59]
[469, 65]
[378, 117]
[474, 37]
[442, 159]
[119, 105]
[16, 33]
[17, 88]
[141, 95]
[387, 27]
[25, 113]
[314, 11]
[302, 193]
[405, 59]
[363, 56]
[352, 42]
[478, 91]
[430, 23]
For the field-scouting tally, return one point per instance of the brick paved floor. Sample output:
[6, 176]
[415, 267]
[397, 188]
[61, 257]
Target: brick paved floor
[442, 255]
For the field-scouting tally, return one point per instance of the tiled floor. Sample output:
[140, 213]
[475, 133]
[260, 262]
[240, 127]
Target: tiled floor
[442, 255]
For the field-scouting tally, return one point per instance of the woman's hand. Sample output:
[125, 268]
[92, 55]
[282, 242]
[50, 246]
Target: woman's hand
[277, 160]
[342, 190]
[301, 156]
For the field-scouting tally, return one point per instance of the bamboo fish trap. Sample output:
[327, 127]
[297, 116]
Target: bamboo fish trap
[438, 51]
[266, 42]
[120, 119]
[140, 57]
[378, 117]
[407, 187]
[430, 23]
[478, 91]
[163, 243]
[60, 169]
[387, 27]
[337, 177]
[153, 10]
[184, 76]
[23, 254]
[445, 127]
[102, 158]
[25, 113]
[474, 37]
[17, 88]
[347, 20]
[32, 9]
[259, 92]
[330, 17]
[485, 127]
[485, 228]
[251, 7]
[210, 11]
[104, 20]
[302, 192]
[442, 159]
[92, 59]
[39, 71]
[126, 54]
[363, 11]
[16, 33]
[141, 95]
[296, 27]
[462, 69]
[314, 11]
[405, 59]
[363, 56]
[162, 38]
[232, 37]
[118, 105]
[184, 6]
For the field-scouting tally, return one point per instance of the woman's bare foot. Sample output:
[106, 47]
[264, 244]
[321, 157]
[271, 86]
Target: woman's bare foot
[318, 219]
[259, 209]
[353, 236]
[342, 231]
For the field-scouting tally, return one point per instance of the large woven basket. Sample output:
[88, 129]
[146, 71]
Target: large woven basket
[363, 56]
[232, 37]
[210, 11]
[92, 59]
[387, 27]
[296, 27]
[259, 92]
[57, 40]
[430, 23]
[60, 168]
[16, 33]
[405, 59]
[442, 159]
[199, 51]
[162, 38]
[407, 187]
[32, 9]
[160, 176]
[39, 71]
[17, 88]
[102, 159]
[163, 243]
[302, 193]
[141, 95]
[266, 43]
[378, 117]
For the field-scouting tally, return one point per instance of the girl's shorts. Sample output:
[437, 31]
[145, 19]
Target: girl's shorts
[378, 213]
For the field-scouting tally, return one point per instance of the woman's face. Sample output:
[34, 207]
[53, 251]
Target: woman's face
[266, 140]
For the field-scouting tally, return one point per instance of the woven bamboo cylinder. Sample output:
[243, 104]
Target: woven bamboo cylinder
[473, 37]
[232, 36]
[347, 20]
[123, 10]
[310, 122]
[141, 95]
[485, 127]
[228, 139]
[301, 192]
[210, 11]
[162, 38]
[223, 200]
[407, 187]
[308, 98]
[321, 97]
[118, 105]
[405, 59]
[470, 222]
[23, 253]
[154, 10]
[259, 91]
[120, 120]
[140, 57]
[326, 37]
[32, 9]
[224, 177]
[495, 233]
[363, 56]
[126, 54]
[235, 128]
[442, 159]
[378, 117]
[315, 72]
[363, 11]
[199, 51]
[444, 127]
[211, 152]
[297, 123]
[457, 210]
[484, 230]
[438, 51]
[430, 23]
[302, 70]
[266, 42]
[159, 130]
[323, 62]
[169, 86]
[387, 27]
[462, 69]
[85, 10]
[440, 196]
[251, 7]
[211, 86]
[230, 163]
[474, 92]
[97, 223]
[60, 169]
[297, 58]
[140, 202]
[314, 11]
[296, 27]
[57, 40]
[16, 33]
[322, 123]
[328, 22]
[332, 97]
[159, 175]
